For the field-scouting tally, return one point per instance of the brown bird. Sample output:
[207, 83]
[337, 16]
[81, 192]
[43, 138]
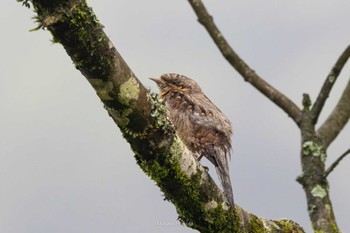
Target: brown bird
[202, 127]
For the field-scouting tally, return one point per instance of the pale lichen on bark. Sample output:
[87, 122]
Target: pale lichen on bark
[318, 191]
[129, 91]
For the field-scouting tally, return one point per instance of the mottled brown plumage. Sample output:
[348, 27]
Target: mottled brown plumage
[202, 127]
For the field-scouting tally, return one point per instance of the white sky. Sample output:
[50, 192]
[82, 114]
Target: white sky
[64, 165]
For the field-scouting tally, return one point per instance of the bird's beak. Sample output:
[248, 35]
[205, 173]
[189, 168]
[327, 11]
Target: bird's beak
[159, 81]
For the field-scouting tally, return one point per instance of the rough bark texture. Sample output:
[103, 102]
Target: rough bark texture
[336, 121]
[314, 143]
[142, 120]
[313, 157]
[328, 84]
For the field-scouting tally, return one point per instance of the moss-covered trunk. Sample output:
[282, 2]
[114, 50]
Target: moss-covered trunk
[313, 179]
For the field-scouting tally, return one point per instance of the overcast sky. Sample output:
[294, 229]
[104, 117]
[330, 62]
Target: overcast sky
[64, 166]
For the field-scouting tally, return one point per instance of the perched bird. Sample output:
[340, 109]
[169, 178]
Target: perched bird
[202, 127]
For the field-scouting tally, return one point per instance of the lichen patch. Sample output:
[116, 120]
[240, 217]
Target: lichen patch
[318, 191]
[129, 91]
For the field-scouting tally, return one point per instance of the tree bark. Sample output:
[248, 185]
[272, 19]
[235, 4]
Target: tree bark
[314, 143]
[143, 122]
[337, 120]
[328, 84]
[313, 179]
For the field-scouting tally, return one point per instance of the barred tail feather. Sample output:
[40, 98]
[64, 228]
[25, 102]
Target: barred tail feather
[223, 172]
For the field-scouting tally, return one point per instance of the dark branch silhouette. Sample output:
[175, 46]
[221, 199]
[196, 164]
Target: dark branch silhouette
[328, 84]
[313, 144]
[336, 121]
[247, 73]
[336, 162]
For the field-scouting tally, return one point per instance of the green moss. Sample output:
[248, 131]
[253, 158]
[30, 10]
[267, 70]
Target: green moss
[220, 218]
[74, 24]
[104, 89]
[120, 117]
[166, 172]
[184, 191]
[256, 225]
[90, 38]
[334, 229]
[288, 226]
[306, 102]
[25, 3]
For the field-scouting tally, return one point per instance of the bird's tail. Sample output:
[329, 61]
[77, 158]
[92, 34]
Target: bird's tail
[223, 172]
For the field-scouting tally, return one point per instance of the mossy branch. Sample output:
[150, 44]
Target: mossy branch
[143, 122]
[314, 144]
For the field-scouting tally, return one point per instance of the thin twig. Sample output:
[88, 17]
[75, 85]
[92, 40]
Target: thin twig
[328, 84]
[336, 162]
[247, 73]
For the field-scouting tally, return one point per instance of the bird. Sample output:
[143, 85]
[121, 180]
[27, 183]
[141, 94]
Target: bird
[201, 126]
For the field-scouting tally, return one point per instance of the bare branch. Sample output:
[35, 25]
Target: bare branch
[328, 84]
[336, 121]
[247, 73]
[336, 162]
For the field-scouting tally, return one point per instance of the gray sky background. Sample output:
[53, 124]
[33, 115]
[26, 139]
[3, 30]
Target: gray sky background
[64, 165]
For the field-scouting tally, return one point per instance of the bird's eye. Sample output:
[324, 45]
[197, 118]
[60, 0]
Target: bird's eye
[175, 81]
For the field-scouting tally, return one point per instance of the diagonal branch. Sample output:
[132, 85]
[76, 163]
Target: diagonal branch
[328, 84]
[336, 162]
[247, 73]
[336, 121]
[143, 122]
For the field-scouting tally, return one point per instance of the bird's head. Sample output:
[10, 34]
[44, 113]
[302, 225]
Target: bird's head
[171, 82]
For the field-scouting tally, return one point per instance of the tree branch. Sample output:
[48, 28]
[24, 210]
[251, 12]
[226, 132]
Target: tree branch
[336, 121]
[336, 162]
[143, 122]
[247, 73]
[328, 84]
